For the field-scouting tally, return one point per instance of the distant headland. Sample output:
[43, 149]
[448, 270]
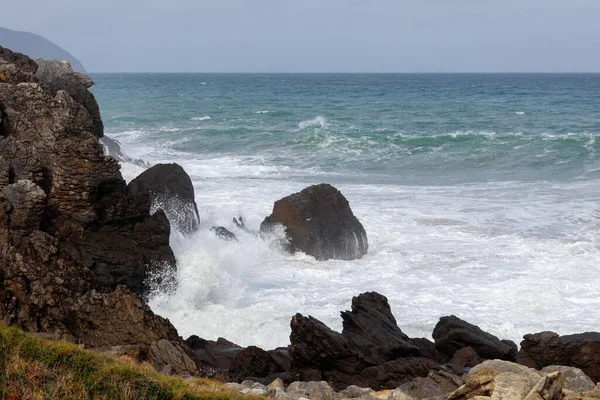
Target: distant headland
[36, 46]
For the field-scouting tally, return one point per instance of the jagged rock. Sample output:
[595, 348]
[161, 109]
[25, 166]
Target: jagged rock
[213, 356]
[253, 362]
[575, 379]
[372, 332]
[319, 222]
[429, 350]
[548, 348]
[58, 75]
[171, 190]
[394, 373]
[452, 334]
[70, 232]
[314, 344]
[47, 137]
[282, 357]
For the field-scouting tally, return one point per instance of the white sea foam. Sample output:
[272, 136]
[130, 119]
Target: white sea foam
[261, 112]
[514, 258]
[206, 118]
[318, 121]
[520, 113]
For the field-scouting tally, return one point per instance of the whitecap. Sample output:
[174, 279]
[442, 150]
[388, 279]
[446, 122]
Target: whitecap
[520, 113]
[260, 112]
[319, 121]
[206, 118]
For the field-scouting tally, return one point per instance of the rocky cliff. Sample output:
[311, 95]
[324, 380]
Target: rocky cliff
[77, 248]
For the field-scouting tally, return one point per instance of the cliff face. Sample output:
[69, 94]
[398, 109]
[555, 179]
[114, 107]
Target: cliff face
[76, 247]
[36, 46]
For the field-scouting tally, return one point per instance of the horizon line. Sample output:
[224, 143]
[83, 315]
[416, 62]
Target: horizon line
[351, 73]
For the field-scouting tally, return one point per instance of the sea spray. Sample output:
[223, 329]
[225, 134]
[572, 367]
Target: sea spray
[470, 208]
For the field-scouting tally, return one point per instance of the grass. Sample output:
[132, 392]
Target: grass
[33, 368]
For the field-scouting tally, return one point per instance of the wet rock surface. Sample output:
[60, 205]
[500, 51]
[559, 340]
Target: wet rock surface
[318, 221]
[170, 189]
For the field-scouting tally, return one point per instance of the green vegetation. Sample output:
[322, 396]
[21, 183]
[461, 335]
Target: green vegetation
[33, 368]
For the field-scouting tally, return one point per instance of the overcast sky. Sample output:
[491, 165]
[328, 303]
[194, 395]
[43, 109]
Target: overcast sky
[318, 35]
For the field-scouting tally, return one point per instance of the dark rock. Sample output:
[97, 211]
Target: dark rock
[392, 374]
[253, 362]
[464, 359]
[282, 357]
[171, 190]
[372, 351]
[429, 350]
[196, 343]
[213, 357]
[224, 233]
[372, 332]
[319, 222]
[452, 334]
[548, 348]
[313, 344]
[59, 75]
[310, 375]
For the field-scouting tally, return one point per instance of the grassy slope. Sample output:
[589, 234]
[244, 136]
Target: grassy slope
[38, 369]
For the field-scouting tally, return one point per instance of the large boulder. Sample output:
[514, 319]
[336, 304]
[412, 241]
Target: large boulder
[372, 332]
[548, 348]
[170, 189]
[452, 334]
[318, 221]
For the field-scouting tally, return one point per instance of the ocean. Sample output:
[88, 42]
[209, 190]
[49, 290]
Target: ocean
[480, 195]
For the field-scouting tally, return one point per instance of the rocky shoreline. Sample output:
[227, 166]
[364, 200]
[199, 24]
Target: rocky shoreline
[80, 249]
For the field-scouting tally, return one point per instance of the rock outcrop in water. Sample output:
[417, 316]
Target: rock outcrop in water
[76, 245]
[319, 222]
[170, 189]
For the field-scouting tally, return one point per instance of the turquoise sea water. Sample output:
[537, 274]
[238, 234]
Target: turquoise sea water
[390, 128]
[479, 194]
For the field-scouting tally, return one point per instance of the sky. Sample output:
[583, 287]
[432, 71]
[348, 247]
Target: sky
[318, 35]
